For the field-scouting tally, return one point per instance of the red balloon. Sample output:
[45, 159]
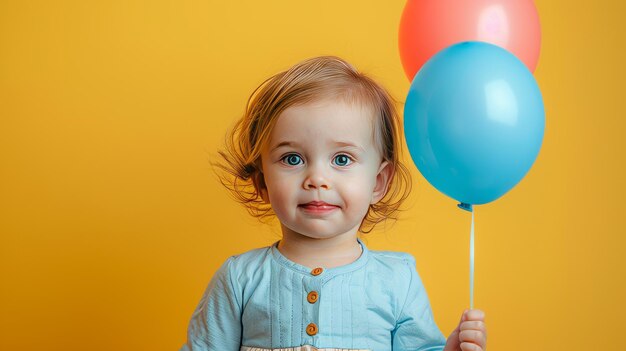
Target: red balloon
[428, 26]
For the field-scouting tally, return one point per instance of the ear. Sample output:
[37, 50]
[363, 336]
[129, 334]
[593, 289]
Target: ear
[258, 180]
[262, 188]
[383, 177]
[264, 195]
[259, 184]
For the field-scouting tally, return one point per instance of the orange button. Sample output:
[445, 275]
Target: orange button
[317, 271]
[311, 329]
[312, 297]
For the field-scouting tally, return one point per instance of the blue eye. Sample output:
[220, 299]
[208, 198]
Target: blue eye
[292, 159]
[342, 160]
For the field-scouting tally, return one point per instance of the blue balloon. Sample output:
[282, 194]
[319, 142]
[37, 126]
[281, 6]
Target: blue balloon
[474, 121]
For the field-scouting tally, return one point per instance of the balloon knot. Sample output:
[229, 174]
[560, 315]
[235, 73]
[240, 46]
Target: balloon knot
[466, 207]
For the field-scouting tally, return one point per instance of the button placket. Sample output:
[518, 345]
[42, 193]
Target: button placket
[312, 288]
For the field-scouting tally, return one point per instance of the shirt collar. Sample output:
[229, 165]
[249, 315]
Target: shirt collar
[327, 272]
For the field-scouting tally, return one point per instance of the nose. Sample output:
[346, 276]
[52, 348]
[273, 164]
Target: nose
[315, 179]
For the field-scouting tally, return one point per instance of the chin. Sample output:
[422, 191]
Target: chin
[321, 233]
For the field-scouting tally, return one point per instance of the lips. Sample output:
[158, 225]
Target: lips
[318, 204]
[318, 207]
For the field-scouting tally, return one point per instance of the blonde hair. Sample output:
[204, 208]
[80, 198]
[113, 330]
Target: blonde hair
[313, 79]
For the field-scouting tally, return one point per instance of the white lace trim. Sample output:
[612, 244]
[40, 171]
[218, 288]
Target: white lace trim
[297, 348]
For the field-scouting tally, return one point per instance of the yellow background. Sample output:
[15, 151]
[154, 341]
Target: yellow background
[112, 223]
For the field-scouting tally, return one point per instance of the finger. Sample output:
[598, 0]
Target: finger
[473, 336]
[474, 325]
[475, 315]
[466, 346]
[458, 327]
[464, 315]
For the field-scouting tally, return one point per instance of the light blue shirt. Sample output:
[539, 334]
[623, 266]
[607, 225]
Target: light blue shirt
[262, 300]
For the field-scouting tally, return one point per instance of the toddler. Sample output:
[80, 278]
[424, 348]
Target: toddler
[319, 148]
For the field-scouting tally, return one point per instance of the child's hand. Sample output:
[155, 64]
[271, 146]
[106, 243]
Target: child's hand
[470, 334]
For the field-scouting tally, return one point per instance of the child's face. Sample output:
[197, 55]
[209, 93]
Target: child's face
[323, 152]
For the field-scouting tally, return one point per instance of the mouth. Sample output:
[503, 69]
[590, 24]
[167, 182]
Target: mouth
[318, 207]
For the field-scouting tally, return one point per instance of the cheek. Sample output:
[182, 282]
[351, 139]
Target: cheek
[280, 189]
[358, 191]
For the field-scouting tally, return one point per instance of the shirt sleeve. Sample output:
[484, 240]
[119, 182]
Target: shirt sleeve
[415, 328]
[216, 322]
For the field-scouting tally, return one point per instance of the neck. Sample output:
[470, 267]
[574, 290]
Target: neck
[320, 252]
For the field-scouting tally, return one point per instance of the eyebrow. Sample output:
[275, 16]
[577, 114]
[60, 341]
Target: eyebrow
[336, 143]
